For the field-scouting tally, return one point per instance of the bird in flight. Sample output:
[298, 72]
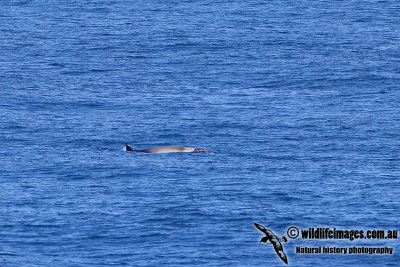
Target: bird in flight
[274, 240]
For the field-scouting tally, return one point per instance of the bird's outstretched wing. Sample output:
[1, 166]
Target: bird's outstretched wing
[264, 230]
[281, 254]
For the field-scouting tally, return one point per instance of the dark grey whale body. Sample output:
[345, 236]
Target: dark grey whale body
[165, 149]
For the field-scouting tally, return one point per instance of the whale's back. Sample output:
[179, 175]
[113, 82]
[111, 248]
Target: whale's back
[167, 149]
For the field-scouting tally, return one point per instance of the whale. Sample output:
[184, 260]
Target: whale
[165, 149]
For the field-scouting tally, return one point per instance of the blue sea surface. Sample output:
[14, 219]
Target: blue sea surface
[298, 100]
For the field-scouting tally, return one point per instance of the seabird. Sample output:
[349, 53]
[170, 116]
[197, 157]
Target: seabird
[274, 240]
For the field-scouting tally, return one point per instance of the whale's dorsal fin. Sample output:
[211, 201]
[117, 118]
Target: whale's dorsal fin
[129, 148]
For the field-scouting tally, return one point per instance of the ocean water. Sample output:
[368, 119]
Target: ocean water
[299, 100]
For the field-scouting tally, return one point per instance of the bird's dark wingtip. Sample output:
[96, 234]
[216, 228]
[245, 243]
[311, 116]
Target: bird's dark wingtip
[284, 258]
[259, 227]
